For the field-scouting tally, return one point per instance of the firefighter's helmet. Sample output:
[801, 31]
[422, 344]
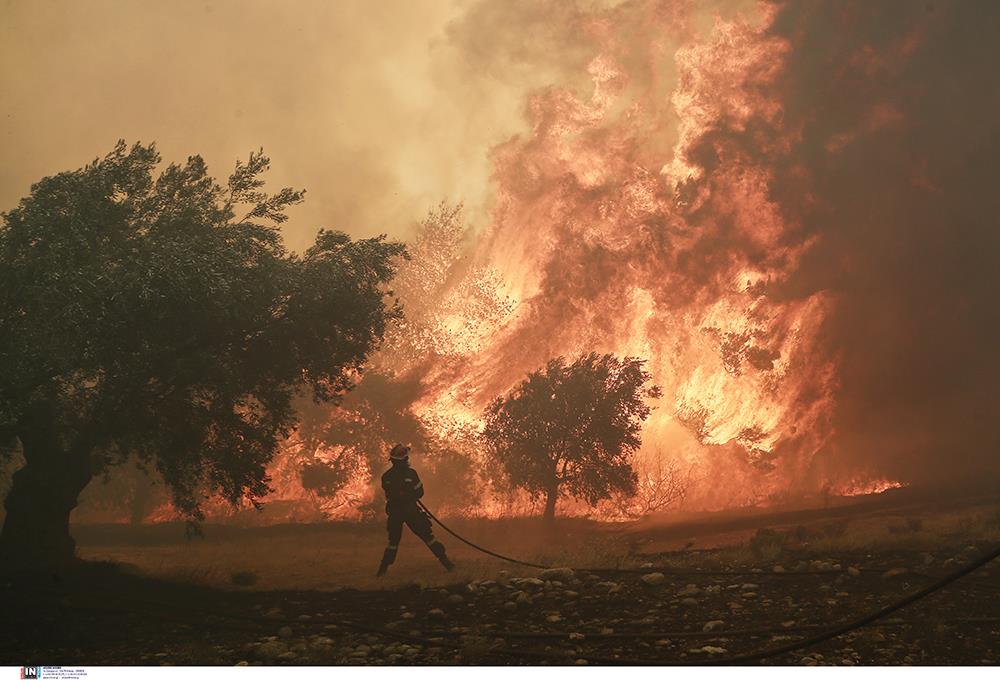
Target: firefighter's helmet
[399, 452]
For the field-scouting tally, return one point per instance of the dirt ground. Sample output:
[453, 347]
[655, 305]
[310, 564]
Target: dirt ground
[305, 594]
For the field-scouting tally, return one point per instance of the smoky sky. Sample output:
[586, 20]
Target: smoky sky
[378, 109]
[897, 106]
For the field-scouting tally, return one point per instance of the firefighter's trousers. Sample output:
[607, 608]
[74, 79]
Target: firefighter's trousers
[420, 524]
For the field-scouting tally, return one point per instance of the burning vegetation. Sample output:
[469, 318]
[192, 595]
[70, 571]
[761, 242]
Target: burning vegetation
[665, 206]
[637, 218]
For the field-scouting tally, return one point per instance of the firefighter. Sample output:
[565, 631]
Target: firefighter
[402, 488]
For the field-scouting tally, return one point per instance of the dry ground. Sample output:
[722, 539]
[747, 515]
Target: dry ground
[306, 594]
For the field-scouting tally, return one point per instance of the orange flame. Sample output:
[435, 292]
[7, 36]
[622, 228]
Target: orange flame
[608, 239]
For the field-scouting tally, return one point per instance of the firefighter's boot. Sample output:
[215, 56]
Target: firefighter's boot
[388, 557]
[438, 549]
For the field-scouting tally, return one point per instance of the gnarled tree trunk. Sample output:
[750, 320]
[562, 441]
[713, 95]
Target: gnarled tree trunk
[38, 505]
[551, 496]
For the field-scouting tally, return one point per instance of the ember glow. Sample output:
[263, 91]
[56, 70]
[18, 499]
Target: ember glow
[867, 487]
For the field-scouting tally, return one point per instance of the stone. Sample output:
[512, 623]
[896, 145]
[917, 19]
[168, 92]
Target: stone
[689, 602]
[654, 579]
[436, 613]
[713, 625]
[778, 569]
[285, 632]
[688, 590]
[892, 573]
[271, 650]
[854, 571]
[749, 586]
[557, 574]
[456, 599]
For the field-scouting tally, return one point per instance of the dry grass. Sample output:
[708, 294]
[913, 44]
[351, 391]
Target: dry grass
[916, 533]
[338, 555]
[878, 533]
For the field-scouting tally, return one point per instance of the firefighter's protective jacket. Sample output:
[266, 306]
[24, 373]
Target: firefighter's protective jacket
[402, 487]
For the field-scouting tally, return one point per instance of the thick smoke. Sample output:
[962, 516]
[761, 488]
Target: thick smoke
[378, 109]
[896, 108]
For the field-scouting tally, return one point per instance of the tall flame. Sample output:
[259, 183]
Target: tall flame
[609, 238]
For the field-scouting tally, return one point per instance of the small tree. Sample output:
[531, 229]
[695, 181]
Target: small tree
[571, 429]
[661, 485]
[161, 317]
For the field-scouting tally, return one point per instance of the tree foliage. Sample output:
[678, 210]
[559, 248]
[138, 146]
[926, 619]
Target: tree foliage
[160, 316]
[571, 429]
[452, 305]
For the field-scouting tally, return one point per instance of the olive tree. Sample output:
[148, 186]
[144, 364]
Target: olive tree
[157, 314]
[571, 428]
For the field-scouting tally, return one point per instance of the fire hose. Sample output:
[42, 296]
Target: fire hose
[480, 548]
[239, 620]
[761, 655]
[617, 570]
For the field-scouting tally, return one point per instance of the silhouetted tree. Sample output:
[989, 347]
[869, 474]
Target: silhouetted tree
[571, 429]
[140, 315]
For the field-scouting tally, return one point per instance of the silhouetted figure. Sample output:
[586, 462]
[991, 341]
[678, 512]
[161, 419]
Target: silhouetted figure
[402, 488]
